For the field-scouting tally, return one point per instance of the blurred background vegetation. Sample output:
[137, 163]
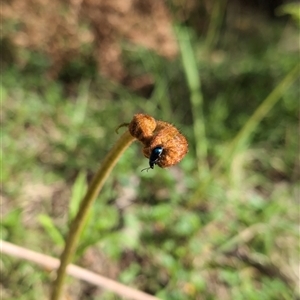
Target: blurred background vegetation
[72, 71]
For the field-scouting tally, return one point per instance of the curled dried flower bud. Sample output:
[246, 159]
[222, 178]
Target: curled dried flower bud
[163, 144]
[142, 127]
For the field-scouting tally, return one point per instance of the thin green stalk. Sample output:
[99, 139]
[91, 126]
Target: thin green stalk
[251, 125]
[215, 24]
[244, 135]
[78, 222]
[196, 98]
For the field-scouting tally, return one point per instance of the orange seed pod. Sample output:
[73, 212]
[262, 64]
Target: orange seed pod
[163, 144]
[142, 127]
[172, 142]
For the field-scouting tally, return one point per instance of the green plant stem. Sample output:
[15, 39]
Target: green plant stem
[196, 98]
[78, 222]
[244, 135]
[246, 132]
[215, 24]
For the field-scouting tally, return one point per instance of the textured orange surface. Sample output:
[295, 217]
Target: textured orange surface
[154, 134]
[142, 127]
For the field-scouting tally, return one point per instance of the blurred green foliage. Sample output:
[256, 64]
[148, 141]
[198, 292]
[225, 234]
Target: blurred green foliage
[238, 239]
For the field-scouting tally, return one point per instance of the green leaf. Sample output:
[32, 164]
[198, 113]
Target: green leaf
[51, 230]
[78, 191]
[292, 9]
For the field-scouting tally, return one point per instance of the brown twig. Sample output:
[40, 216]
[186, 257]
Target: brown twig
[51, 263]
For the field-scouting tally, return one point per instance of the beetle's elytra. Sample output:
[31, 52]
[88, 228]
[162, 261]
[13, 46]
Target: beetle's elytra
[155, 156]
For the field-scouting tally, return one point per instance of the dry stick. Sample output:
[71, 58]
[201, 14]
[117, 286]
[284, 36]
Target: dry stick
[78, 222]
[51, 263]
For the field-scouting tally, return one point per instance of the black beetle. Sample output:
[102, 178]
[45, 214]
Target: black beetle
[155, 155]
